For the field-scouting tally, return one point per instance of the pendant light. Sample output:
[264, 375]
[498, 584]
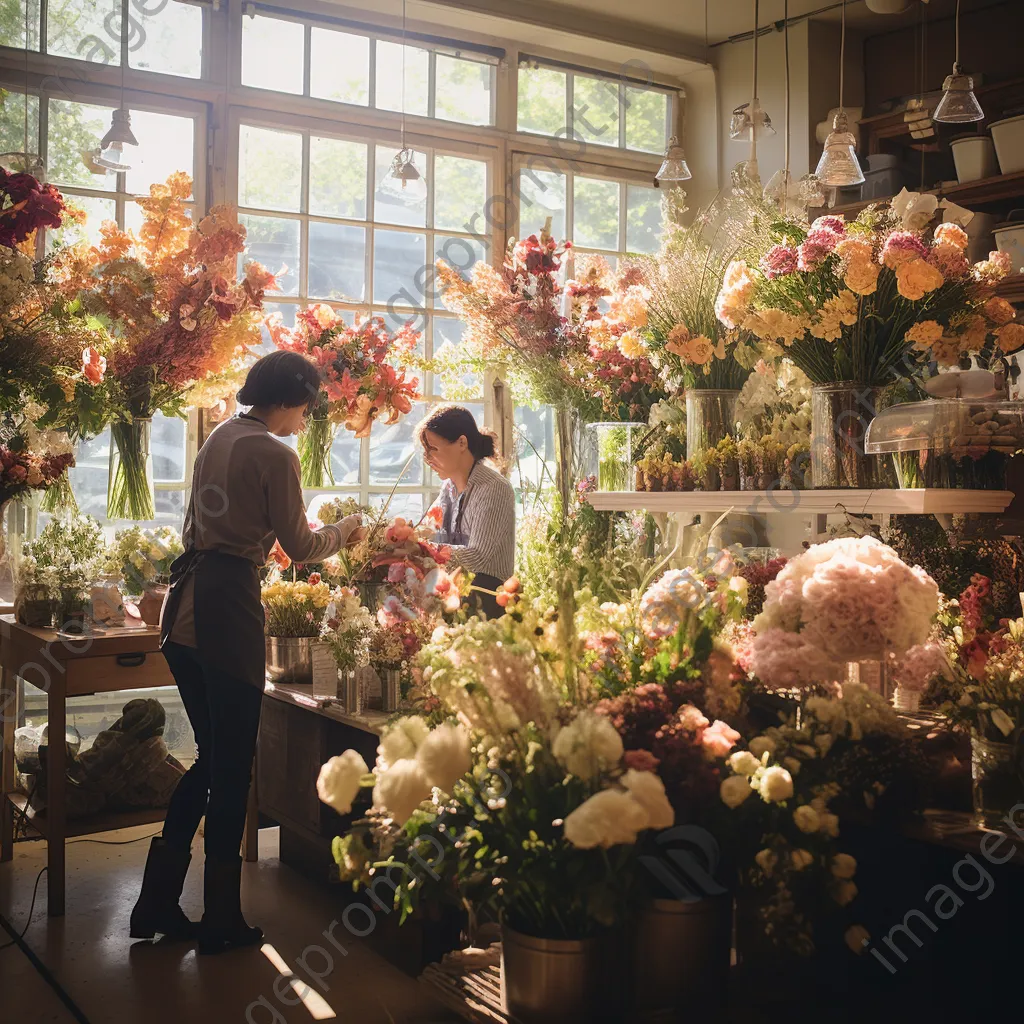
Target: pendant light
[109, 156]
[838, 165]
[26, 161]
[958, 104]
[750, 120]
[403, 167]
[673, 168]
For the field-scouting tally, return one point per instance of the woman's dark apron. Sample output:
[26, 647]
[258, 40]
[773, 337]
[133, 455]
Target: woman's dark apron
[228, 612]
[483, 604]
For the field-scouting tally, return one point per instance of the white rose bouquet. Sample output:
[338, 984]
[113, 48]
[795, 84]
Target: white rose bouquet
[144, 557]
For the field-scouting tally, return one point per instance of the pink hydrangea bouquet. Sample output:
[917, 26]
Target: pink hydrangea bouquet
[851, 301]
[851, 599]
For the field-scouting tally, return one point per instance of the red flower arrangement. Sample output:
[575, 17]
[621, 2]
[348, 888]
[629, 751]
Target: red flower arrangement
[25, 206]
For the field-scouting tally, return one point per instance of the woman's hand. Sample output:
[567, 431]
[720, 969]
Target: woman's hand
[356, 536]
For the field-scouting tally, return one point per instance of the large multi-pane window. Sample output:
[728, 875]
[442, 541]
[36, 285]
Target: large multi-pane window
[326, 211]
[310, 111]
[151, 35]
[596, 109]
[328, 63]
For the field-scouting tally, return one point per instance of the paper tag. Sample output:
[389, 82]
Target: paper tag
[325, 671]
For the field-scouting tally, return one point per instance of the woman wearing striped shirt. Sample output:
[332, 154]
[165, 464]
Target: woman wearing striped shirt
[477, 503]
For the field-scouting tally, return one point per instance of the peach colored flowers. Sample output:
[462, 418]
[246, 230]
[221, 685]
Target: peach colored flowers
[862, 277]
[1010, 337]
[951, 234]
[999, 311]
[916, 278]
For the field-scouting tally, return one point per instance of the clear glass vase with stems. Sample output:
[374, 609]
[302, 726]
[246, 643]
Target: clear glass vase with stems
[710, 416]
[840, 414]
[611, 454]
[130, 484]
[995, 783]
[314, 446]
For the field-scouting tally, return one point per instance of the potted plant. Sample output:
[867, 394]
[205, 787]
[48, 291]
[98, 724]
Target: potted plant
[728, 462]
[295, 612]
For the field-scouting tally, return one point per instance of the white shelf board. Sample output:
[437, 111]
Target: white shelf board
[904, 502]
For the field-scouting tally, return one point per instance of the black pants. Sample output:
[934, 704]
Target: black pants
[225, 716]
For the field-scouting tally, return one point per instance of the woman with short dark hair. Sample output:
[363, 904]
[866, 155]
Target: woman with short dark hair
[246, 493]
[477, 503]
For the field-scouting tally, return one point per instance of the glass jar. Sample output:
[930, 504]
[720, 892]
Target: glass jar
[710, 417]
[72, 611]
[995, 784]
[34, 606]
[840, 416]
[107, 603]
[611, 454]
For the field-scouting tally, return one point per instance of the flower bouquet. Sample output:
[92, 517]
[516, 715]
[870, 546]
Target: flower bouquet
[853, 304]
[347, 629]
[293, 608]
[173, 315]
[54, 575]
[143, 557]
[31, 459]
[364, 370]
[847, 600]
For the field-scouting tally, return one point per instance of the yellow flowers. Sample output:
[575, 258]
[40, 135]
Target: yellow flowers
[735, 295]
[776, 325]
[294, 608]
[632, 346]
[862, 277]
[835, 313]
[924, 334]
[915, 279]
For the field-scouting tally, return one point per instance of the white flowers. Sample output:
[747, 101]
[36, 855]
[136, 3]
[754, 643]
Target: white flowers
[649, 791]
[444, 756]
[588, 745]
[734, 790]
[776, 785]
[403, 739]
[806, 818]
[338, 781]
[743, 762]
[607, 819]
[401, 789]
[412, 760]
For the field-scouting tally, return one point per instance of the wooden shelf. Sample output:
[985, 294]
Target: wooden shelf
[986, 192]
[903, 502]
[106, 821]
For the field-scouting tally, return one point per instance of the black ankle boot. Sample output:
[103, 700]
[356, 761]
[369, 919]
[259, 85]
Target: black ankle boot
[157, 910]
[223, 926]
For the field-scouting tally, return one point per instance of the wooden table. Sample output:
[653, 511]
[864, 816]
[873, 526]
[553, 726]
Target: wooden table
[126, 659]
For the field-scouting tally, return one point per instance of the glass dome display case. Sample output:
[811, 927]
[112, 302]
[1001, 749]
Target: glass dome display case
[949, 442]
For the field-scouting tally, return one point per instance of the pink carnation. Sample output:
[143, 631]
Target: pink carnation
[902, 247]
[815, 250]
[832, 223]
[949, 261]
[778, 261]
[718, 739]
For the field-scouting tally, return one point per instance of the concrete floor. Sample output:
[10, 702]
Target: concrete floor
[112, 979]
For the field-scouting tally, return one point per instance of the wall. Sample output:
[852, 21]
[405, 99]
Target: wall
[990, 45]
[733, 62]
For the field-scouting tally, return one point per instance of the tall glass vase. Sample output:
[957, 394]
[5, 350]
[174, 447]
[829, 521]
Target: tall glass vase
[840, 414]
[567, 445]
[710, 416]
[130, 484]
[315, 444]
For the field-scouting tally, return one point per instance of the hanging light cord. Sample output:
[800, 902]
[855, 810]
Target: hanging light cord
[785, 38]
[956, 30]
[403, 75]
[755, 45]
[26, 167]
[842, 55]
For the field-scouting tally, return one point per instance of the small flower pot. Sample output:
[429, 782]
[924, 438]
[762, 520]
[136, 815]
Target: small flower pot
[151, 605]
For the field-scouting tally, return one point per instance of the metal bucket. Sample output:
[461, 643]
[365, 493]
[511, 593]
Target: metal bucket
[550, 981]
[681, 958]
[290, 659]
[390, 688]
[350, 691]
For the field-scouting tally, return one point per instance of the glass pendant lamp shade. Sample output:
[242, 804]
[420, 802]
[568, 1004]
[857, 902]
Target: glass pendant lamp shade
[838, 165]
[748, 118]
[958, 105]
[673, 168]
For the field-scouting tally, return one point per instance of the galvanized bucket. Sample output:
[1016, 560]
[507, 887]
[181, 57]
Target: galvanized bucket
[550, 981]
[290, 659]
